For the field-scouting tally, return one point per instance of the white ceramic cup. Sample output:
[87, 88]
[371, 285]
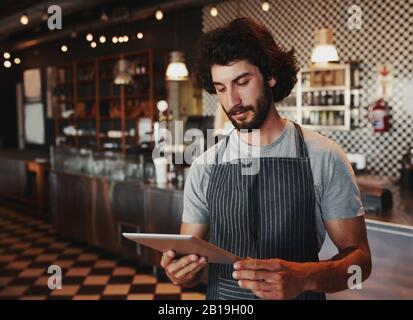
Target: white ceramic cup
[161, 170]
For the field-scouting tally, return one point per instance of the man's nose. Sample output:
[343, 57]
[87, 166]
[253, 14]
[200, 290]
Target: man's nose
[234, 98]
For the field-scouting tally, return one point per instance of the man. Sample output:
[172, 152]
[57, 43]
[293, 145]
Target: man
[275, 219]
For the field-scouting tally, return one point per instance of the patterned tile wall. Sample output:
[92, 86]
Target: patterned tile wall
[386, 35]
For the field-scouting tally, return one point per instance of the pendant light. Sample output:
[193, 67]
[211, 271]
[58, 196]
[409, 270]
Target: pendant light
[324, 50]
[122, 73]
[176, 70]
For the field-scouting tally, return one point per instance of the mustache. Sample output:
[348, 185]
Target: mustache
[240, 109]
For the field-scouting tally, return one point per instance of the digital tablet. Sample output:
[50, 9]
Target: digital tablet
[183, 245]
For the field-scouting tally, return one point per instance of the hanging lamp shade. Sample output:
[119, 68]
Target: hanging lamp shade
[324, 50]
[123, 72]
[176, 70]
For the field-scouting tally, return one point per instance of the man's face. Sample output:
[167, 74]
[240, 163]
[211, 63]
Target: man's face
[244, 96]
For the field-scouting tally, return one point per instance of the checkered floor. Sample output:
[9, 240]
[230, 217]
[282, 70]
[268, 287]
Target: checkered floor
[28, 246]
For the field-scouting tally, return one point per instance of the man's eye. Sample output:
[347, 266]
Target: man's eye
[243, 83]
[221, 90]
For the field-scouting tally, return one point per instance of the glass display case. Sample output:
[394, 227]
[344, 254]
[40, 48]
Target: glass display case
[104, 164]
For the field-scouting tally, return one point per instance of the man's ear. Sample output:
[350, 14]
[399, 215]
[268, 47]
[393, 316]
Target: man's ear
[271, 82]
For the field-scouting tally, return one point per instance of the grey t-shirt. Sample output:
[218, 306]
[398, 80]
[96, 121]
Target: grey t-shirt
[336, 193]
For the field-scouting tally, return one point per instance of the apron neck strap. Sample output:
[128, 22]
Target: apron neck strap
[220, 152]
[299, 142]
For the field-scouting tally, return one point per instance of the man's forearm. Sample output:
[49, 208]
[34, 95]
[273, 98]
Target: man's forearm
[332, 275]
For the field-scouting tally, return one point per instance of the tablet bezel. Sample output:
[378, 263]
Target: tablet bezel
[183, 244]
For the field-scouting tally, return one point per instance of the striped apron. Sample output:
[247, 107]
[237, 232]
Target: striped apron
[270, 214]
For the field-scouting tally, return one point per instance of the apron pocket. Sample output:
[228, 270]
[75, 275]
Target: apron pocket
[229, 289]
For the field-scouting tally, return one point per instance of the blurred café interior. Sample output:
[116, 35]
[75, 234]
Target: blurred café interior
[83, 100]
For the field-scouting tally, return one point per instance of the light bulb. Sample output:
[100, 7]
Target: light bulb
[139, 35]
[17, 60]
[89, 37]
[93, 44]
[6, 55]
[102, 39]
[115, 39]
[265, 6]
[63, 48]
[7, 64]
[214, 11]
[159, 14]
[24, 19]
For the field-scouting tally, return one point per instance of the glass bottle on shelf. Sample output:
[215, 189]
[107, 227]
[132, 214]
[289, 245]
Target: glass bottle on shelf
[331, 118]
[306, 117]
[337, 98]
[355, 117]
[306, 80]
[324, 118]
[322, 98]
[306, 98]
[329, 99]
[355, 100]
[341, 118]
[138, 68]
[316, 98]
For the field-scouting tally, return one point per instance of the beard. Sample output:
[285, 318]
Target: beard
[260, 111]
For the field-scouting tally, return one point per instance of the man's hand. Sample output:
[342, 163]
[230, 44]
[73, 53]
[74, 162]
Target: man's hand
[186, 271]
[271, 278]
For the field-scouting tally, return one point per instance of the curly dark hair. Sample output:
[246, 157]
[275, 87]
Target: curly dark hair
[244, 39]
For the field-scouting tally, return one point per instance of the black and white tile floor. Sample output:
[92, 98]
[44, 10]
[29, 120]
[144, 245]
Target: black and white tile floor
[29, 245]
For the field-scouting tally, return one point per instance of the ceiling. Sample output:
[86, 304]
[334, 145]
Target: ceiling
[78, 16]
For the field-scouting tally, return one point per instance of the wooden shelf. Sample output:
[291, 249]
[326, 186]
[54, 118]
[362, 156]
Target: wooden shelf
[325, 68]
[323, 88]
[105, 90]
[142, 75]
[136, 96]
[86, 98]
[325, 128]
[109, 98]
[64, 100]
[86, 81]
[87, 118]
[106, 118]
[289, 109]
[303, 110]
[324, 108]
[86, 136]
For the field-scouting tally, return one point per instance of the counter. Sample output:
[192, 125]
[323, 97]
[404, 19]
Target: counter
[97, 211]
[24, 176]
[390, 236]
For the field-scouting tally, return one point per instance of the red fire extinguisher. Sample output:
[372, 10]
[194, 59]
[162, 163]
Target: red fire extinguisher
[379, 115]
